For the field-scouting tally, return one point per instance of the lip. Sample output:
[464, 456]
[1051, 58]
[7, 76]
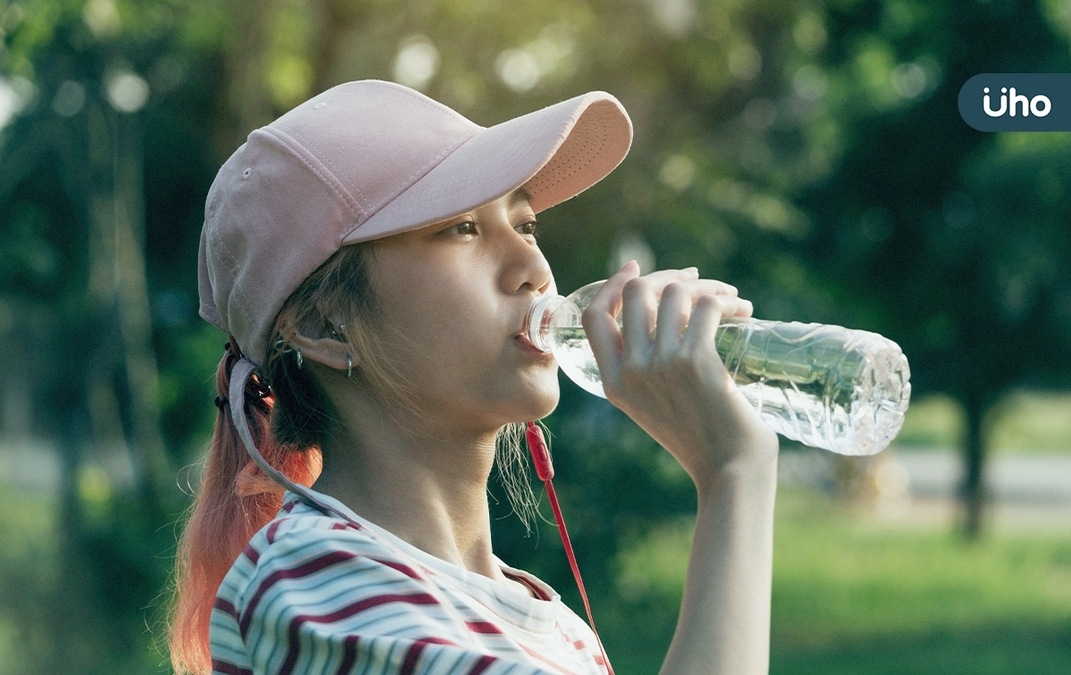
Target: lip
[526, 344]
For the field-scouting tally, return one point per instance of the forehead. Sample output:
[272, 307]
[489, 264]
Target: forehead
[520, 196]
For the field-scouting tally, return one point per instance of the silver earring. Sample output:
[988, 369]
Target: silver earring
[299, 359]
[349, 366]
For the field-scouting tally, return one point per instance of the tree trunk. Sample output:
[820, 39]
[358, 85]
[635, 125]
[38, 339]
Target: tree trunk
[974, 490]
[146, 442]
[244, 56]
[119, 300]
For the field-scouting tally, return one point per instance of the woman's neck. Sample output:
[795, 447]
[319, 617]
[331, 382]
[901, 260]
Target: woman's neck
[427, 487]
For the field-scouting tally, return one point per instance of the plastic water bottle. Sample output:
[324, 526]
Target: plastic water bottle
[825, 386]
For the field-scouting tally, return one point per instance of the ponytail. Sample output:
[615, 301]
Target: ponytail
[235, 500]
[288, 423]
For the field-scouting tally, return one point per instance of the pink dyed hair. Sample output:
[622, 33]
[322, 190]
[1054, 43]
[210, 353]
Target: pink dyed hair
[287, 422]
[235, 500]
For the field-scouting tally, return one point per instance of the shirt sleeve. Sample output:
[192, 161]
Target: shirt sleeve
[309, 599]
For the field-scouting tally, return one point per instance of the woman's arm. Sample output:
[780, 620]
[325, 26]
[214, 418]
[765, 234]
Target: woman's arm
[662, 370]
[724, 623]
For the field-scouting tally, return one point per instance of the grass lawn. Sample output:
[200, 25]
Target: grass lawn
[854, 596]
[25, 572]
[1022, 421]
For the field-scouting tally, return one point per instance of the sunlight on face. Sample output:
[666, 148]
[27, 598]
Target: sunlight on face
[459, 291]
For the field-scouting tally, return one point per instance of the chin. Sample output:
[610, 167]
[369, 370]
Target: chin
[540, 398]
[547, 407]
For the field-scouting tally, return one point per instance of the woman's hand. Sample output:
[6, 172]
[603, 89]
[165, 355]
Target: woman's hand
[660, 367]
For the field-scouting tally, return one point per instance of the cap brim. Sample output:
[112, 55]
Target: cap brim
[554, 154]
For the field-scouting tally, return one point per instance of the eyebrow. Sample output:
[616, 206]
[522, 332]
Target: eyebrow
[519, 196]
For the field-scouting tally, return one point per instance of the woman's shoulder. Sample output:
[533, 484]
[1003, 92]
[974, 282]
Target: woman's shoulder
[306, 546]
[303, 535]
[306, 562]
[299, 524]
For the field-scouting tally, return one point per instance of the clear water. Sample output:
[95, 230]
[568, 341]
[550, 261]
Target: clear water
[825, 386]
[574, 356]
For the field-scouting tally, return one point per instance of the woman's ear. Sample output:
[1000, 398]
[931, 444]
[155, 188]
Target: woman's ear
[326, 351]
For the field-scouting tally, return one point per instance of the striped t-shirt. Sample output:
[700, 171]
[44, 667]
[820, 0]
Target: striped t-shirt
[318, 592]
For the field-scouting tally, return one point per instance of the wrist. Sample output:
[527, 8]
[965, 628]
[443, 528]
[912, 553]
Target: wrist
[750, 476]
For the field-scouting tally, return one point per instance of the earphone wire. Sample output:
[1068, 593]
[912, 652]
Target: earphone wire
[537, 446]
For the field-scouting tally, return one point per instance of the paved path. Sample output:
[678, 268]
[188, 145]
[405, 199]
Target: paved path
[1035, 479]
[919, 484]
[938, 473]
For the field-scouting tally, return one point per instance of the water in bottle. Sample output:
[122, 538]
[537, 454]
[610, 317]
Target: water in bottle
[825, 386]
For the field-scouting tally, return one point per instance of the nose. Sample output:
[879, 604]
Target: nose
[526, 269]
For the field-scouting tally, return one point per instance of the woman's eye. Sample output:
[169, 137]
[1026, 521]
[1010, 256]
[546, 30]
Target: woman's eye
[528, 228]
[465, 228]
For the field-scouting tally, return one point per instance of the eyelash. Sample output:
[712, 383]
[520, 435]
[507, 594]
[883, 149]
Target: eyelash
[528, 228]
[468, 224]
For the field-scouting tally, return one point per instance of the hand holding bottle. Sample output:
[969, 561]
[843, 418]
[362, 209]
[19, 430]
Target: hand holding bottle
[660, 366]
[826, 386]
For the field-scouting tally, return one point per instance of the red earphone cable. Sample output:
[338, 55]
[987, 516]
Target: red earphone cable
[537, 446]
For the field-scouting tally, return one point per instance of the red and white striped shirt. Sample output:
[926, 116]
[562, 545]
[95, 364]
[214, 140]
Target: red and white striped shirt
[318, 592]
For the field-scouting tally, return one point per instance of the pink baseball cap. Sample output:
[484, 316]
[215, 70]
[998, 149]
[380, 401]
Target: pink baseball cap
[368, 159]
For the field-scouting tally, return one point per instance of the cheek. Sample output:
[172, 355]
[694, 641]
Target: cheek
[413, 299]
[447, 325]
[438, 329]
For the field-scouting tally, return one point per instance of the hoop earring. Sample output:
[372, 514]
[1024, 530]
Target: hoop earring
[349, 366]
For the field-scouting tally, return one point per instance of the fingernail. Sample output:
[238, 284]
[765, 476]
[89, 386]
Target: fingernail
[630, 263]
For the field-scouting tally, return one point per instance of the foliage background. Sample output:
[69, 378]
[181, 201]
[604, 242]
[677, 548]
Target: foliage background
[809, 152]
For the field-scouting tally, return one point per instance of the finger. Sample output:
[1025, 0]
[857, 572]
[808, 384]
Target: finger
[662, 278]
[707, 316]
[741, 308]
[715, 287]
[694, 286]
[689, 275]
[600, 320]
[709, 287]
[608, 298]
[698, 287]
[703, 323]
[639, 304]
[748, 309]
[673, 310]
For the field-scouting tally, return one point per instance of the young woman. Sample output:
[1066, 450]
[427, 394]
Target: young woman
[371, 256]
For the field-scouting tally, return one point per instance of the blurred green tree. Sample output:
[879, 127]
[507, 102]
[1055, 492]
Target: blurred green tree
[952, 241]
[87, 299]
